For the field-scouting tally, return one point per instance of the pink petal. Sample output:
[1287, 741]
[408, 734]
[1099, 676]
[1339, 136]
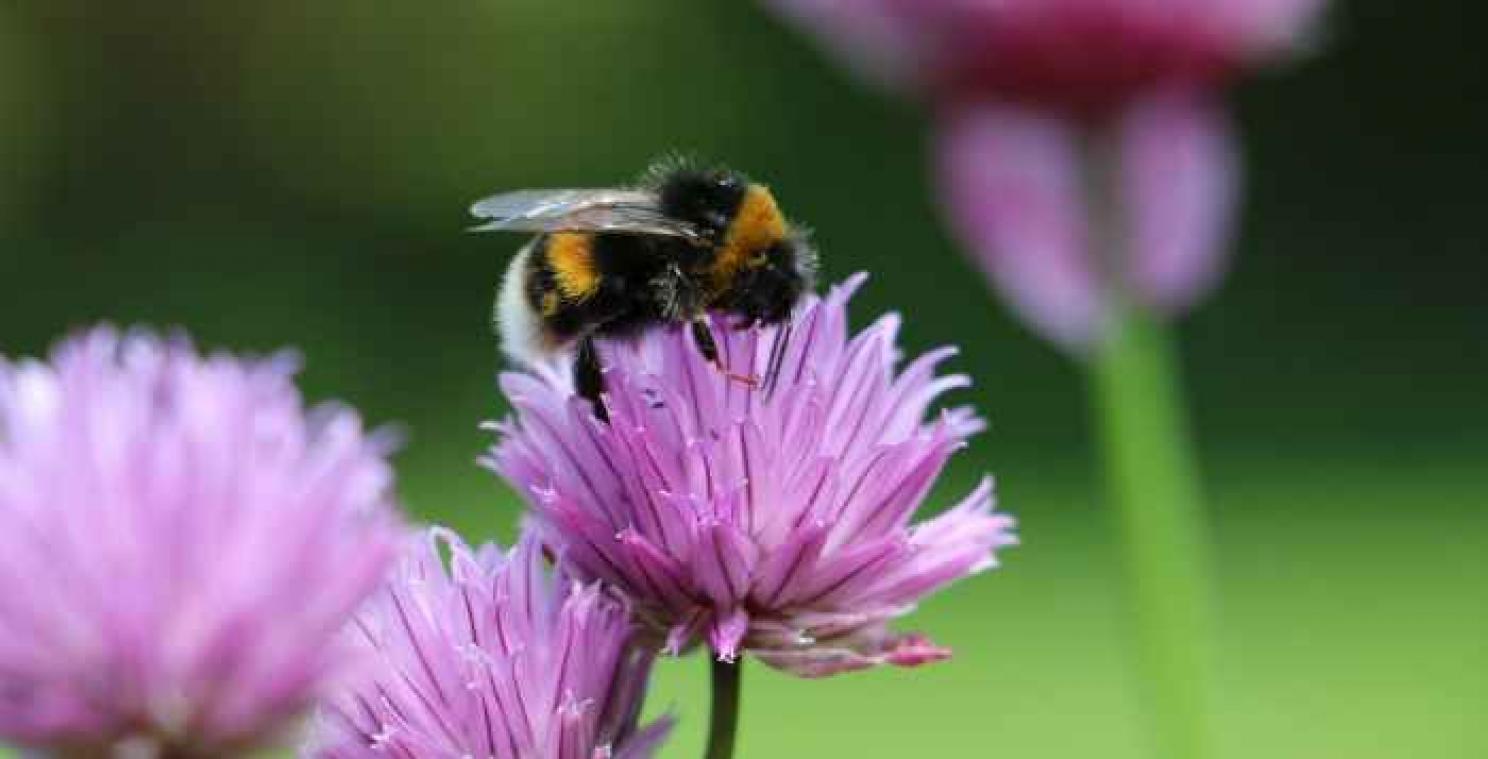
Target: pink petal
[646, 741]
[815, 662]
[1180, 182]
[1011, 181]
[911, 650]
[682, 634]
[1271, 26]
[1014, 186]
[727, 632]
[867, 36]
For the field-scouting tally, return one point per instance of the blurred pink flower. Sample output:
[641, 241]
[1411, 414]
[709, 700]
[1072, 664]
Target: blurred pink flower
[1081, 56]
[775, 522]
[1015, 186]
[1026, 90]
[179, 544]
[492, 658]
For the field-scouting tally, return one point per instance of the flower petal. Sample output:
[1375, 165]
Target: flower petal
[1179, 181]
[496, 657]
[868, 35]
[180, 542]
[910, 650]
[1016, 183]
[1011, 181]
[727, 632]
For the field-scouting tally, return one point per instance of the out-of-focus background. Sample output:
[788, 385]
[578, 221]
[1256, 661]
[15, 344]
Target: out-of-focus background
[290, 173]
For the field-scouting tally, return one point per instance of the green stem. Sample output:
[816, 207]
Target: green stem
[1153, 485]
[723, 723]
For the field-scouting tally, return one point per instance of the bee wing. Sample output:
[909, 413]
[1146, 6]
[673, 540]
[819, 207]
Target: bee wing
[632, 211]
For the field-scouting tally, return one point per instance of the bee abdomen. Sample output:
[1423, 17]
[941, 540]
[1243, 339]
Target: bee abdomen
[570, 256]
[554, 293]
[560, 282]
[524, 336]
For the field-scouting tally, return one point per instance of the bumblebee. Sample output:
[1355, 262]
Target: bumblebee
[613, 263]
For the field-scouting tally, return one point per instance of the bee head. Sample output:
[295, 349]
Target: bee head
[767, 288]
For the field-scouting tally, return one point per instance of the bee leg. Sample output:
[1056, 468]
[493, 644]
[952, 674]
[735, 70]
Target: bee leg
[702, 334]
[589, 377]
[777, 357]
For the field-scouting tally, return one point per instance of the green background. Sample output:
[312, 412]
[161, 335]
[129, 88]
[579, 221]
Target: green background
[293, 173]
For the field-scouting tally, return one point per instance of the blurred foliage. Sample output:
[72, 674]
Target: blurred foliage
[296, 173]
[23, 135]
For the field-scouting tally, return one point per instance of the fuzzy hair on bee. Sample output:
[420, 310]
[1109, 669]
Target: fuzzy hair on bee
[613, 263]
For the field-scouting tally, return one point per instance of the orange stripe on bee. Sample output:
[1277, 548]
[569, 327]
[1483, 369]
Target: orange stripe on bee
[756, 226]
[571, 255]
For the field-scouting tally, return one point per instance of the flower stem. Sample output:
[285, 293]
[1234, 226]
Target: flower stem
[724, 721]
[1153, 484]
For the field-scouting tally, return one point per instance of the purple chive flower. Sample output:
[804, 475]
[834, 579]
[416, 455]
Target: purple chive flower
[1081, 56]
[179, 544]
[773, 522]
[1025, 90]
[493, 658]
